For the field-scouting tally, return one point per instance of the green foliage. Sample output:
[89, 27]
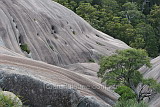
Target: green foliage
[25, 48]
[125, 92]
[148, 35]
[51, 47]
[91, 60]
[88, 12]
[122, 67]
[152, 84]
[154, 19]
[121, 70]
[131, 12]
[154, 16]
[138, 42]
[8, 101]
[120, 29]
[130, 103]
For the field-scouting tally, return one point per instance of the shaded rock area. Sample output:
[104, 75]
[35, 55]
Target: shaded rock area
[87, 100]
[38, 94]
[51, 33]
[153, 72]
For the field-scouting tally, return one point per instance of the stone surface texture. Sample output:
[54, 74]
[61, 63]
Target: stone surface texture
[55, 36]
[53, 33]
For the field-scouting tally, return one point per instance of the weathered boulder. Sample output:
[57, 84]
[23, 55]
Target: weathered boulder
[37, 93]
[53, 33]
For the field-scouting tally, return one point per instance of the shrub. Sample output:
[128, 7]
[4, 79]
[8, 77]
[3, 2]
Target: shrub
[91, 60]
[130, 103]
[25, 48]
[125, 93]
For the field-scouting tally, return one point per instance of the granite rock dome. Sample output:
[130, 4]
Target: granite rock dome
[52, 33]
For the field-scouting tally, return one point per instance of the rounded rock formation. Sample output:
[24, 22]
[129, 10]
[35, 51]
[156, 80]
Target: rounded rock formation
[47, 31]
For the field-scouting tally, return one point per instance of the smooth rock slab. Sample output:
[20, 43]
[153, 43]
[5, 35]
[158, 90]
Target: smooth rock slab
[53, 33]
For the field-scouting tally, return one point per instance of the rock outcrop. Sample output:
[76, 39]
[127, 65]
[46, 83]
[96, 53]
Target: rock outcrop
[35, 35]
[52, 33]
[41, 84]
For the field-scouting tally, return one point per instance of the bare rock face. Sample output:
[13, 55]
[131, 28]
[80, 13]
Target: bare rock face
[153, 73]
[88, 70]
[52, 33]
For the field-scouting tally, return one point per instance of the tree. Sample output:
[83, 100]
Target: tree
[111, 5]
[154, 19]
[138, 42]
[148, 35]
[121, 69]
[131, 12]
[88, 12]
[146, 5]
[119, 28]
[121, 2]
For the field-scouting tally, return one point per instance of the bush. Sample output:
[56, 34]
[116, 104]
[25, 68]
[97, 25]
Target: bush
[91, 60]
[8, 99]
[125, 93]
[25, 48]
[130, 103]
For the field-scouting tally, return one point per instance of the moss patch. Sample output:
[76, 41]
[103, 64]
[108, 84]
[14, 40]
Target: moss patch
[91, 60]
[25, 48]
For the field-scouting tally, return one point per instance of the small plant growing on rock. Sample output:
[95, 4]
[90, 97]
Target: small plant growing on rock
[91, 60]
[25, 48]
[130, 103]
[74, 32]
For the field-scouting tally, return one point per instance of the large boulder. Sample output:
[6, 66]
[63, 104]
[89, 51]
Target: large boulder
[52, 33]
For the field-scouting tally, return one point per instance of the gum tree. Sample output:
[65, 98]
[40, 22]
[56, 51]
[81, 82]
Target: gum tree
[121, 70]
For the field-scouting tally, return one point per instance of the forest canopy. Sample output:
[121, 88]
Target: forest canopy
[136, 22]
